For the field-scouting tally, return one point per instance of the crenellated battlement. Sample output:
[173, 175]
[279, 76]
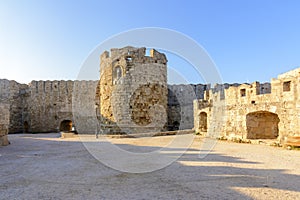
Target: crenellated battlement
[133, 55]
[130, 82]
[40, 106]
[132, 96]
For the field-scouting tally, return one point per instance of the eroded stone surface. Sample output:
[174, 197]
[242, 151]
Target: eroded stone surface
[253, 111]
[42, 106]
[4, 123]
[130, 96]
[133, 90]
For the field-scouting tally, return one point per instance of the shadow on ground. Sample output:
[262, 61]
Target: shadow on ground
[34, 167]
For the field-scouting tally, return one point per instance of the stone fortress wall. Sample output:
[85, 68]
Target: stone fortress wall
[11, 107]
[4, 123]
[252, 111]
[44, 106]
[180, 104]
[12, 94]
[41, 106]
[133, 90]
[132, 96]
[135, 97]
[49, 102]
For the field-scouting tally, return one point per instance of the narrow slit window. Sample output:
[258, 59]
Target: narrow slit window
[117, 74]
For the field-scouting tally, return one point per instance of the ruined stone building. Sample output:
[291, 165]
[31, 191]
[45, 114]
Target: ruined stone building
[251, 111]
[135, 97]
[130, 96]
[133, 90]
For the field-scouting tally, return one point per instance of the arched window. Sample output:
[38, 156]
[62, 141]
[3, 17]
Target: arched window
[117, 74]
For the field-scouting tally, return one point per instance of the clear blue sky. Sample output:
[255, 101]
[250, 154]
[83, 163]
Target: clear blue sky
[248, 40]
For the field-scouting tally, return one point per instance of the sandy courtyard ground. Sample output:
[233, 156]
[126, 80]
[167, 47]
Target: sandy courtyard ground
[43, 166]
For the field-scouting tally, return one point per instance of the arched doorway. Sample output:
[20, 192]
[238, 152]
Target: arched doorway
[176, 125]
[262, 125]
[203, 122]
[65, 125]
[25, 127]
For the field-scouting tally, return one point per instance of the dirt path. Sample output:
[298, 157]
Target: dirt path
[43, 166]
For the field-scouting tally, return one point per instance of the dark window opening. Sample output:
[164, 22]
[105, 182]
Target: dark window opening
[287, 86]
[243, 92]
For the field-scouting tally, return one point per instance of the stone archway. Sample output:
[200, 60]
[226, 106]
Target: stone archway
[176, 126]
[65, 125]
[203, 122]
[262, 125]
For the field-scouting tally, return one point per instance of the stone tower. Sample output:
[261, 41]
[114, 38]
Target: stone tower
[133, 91]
